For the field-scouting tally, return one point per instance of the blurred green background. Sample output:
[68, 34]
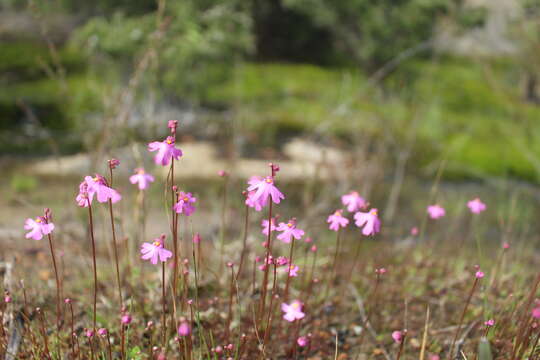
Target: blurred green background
[451, 80]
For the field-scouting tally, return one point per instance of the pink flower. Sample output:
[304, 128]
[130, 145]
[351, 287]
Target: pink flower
[479, 274]
[126, 319]
[155, 250]
[292, 270]
[293, 311]
[196, 238]
[289, 231]
[397, 336]
[489, 322]
[102, 332]
[84, 198]
[353, 201]
[302, 341]
[265, 226]
[414, 231]
[141, 178]
[96, 186]
[476, 206]
[184, 329]
[337, 220]
[506, 246]
[185, 204]
[282, 261]
[436, 211]
[260, 190]
[369, 221]
[536, 313]
[38, 228]
[165, 151]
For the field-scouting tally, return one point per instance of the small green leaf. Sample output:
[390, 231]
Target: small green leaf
[484, 350]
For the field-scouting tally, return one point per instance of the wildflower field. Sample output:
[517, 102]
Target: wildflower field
[250, 269]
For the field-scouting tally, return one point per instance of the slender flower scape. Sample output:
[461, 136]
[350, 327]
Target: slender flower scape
[353, 201]
[337, 220]
[265, 225]
[96, 186]
[476, 206]
[165, 151]
[260, 190]
[141, 178]
[185, 204]
[289, 231]
[153, 251]
[293, 311]
[368, 221]
[436, 211]
[38, 228]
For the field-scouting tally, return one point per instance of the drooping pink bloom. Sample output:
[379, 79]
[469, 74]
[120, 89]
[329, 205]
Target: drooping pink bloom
[302, 341]
[479, 274]
[353, 201]
[293, 311]
[184, 329]
[292, 270]
[260, 190]
[536, 313]
[141, 178]
[153, 251]
[38, 228]
[102, 332]
[165, 151]
[414, 231]
[185, 204]
[489, 322]
[84, 198]
[289, 231]
[476, 206]
[337, 220]
[436, 211]
[265, 225]
[397, 336]
[506, 246]
[368, 221]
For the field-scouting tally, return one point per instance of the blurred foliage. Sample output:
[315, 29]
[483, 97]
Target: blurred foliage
[283, 68]
[23, 183]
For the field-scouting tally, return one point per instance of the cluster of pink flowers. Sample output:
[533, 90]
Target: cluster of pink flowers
[436, 211]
